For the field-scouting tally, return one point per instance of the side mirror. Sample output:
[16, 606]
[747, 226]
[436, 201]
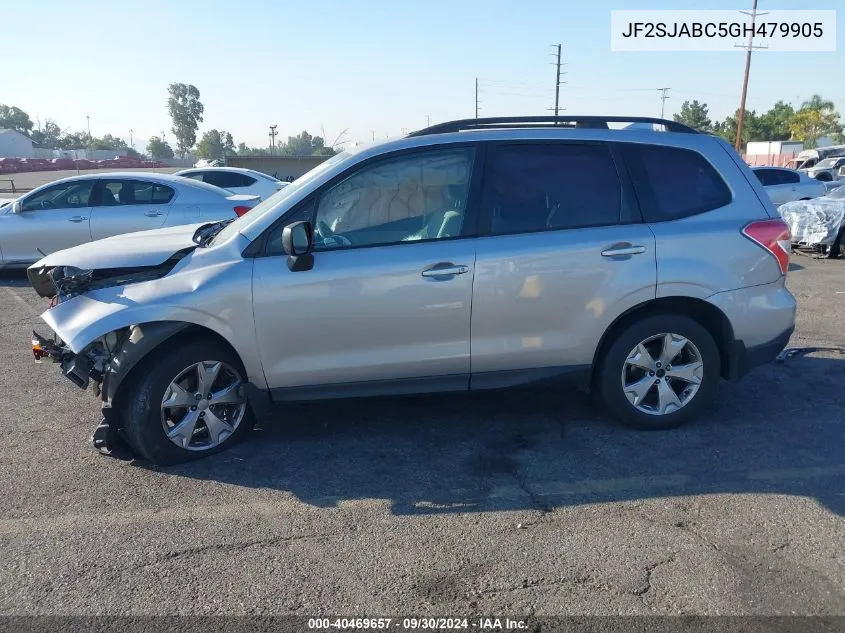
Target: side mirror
[16, 207]
[842, 171]
[297, 242]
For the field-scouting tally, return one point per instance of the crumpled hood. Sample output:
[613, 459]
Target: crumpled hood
[130, 250]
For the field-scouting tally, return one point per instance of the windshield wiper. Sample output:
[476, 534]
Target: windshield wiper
[204, 234]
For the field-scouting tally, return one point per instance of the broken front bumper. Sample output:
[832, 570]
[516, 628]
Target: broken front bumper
[80, 369]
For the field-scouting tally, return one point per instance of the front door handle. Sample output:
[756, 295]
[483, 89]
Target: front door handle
[77, 218]
[153, 214]
[445, 269]
[620, 250]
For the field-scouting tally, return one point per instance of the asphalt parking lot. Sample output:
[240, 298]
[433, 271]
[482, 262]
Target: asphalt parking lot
[510, 503]
[25, 181]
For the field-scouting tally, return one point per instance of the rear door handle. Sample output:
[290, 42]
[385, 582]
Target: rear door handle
[445, 269]
[619, 250]
[153, 214]
[77, 218]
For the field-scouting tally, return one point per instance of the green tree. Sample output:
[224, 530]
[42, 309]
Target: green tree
[774, 124]
[13, 118]
[47, 136]
[73, 140]
[108, 142]
[816, 118]
[158, 148]
[305, 145]
[228, 143]
[695, 115]
[186, 111]
[210, 145]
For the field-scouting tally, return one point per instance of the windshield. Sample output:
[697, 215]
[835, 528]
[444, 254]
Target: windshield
[827, 162]
[273, 202]
[839, 192]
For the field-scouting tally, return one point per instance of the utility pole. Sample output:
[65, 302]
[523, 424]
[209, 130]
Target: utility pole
[476, 97]
[88, 118]
[428, 120]
[557, 83]
[131, 143]
[748, 48]
[664, 94]
[273, 138]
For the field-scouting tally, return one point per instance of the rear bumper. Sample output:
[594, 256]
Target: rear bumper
[743, 359]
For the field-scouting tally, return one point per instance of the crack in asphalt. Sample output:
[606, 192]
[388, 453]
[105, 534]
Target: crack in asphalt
[644, 588]
[228, 547]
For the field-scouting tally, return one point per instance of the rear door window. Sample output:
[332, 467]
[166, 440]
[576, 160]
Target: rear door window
[228, 179]
[673, 183]
[550, 186]
[133, 192]
[786, 177]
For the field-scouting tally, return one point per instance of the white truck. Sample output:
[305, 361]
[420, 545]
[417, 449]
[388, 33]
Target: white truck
[809, 158]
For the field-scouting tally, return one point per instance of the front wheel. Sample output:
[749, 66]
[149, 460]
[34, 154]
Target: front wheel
[659, 372]
[189, 402]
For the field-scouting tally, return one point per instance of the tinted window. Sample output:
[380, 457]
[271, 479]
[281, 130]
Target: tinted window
[68, 195]
[786, 177]
[765, 177]
[550, 186]
[228, 179]
[674, 183]
[129, 192]
[414, 197]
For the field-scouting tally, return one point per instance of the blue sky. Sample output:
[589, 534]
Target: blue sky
[367, 65]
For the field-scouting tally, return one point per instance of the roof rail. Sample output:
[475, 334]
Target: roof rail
[593, 122]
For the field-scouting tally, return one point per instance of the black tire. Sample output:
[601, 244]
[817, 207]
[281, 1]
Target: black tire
[824, 177]
[608, 384]
[142, 425]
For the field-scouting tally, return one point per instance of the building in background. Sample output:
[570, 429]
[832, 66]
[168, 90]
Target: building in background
[281, 167]
[13, 144]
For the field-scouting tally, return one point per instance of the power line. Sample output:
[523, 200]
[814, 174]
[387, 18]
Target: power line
[748, 48]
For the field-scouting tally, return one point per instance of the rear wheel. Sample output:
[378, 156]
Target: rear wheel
[188, 403]
[659, 372]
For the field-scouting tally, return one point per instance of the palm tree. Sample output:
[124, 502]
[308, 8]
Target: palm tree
[817, 103]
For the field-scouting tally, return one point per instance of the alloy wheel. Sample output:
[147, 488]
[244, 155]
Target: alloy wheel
[662, 374]
[203, 405]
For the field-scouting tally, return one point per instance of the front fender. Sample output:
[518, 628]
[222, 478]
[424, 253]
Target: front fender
[219, 301]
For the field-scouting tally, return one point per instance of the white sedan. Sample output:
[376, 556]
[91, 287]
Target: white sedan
[236, 180]
[81, 209]
[786, 185]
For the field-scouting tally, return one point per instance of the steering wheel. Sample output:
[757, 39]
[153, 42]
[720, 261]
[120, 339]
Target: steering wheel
[329, 237]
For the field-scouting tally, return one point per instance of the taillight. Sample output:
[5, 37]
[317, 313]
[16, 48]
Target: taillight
[773, 235]
[239, 211]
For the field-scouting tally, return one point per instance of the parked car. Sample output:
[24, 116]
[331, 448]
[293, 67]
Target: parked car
[827, 169]
[63, 163]
[236, 180]
[644, 265]
[785, 185]
[33, 164]
[90, 207]
[10, 165]
[204, 162]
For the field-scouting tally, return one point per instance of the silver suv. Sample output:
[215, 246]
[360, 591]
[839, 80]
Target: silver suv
[642, 264]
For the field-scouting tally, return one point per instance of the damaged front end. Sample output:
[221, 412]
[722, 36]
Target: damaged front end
[60, 283]
[103, 363]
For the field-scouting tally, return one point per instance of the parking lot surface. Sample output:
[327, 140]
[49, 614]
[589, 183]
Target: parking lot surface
[518, 502]
[26, 181]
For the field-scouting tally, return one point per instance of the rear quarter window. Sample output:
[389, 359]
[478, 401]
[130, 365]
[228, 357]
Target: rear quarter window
[673, 183]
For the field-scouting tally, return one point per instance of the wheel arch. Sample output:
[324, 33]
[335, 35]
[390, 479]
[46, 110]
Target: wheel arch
[706, 314]
[135, 349]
